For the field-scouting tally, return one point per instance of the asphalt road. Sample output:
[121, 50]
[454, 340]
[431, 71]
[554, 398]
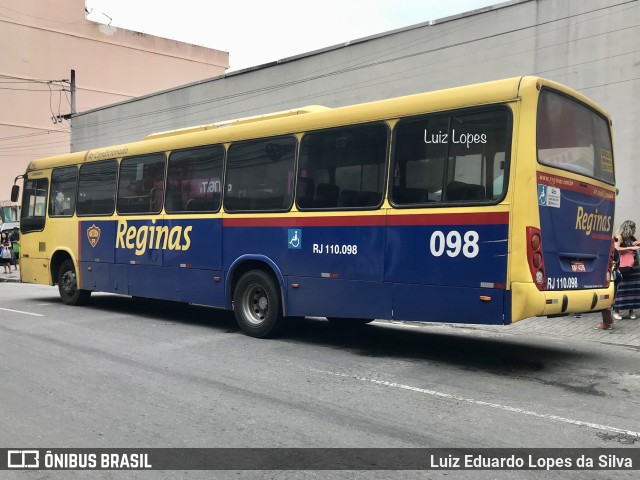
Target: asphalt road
[129, 373]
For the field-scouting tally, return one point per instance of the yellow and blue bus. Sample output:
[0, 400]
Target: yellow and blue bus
[485, 204]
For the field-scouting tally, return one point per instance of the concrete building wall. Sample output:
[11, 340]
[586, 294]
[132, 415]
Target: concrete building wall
[591, 45]
[42, 40]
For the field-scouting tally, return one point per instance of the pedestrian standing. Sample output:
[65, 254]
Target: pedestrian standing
[616, 276]
[14, 238]
[6, 253]
[628, 295]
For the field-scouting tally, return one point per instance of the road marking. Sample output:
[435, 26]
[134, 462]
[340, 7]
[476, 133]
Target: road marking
[19, 311]
[449, 396]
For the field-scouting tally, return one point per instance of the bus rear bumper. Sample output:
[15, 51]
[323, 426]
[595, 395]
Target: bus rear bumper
[528, 301]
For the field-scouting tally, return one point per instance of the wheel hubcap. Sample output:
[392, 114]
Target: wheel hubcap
[255, 304]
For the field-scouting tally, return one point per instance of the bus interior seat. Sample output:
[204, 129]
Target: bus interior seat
[306, 191]
[406, 195]
[326, 196]
[348, 198]
[465, 191]
[368, 199]
[236, 204]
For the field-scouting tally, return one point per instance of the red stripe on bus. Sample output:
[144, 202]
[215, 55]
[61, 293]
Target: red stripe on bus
[357, 221]
[475, 218]
[574, 185]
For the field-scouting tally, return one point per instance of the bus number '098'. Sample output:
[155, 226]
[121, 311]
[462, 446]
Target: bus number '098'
[454, 243]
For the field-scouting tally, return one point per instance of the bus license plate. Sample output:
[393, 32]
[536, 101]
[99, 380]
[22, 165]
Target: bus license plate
[578, 266]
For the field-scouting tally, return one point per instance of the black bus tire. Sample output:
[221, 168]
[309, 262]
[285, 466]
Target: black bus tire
[68, 285]
[256, 305]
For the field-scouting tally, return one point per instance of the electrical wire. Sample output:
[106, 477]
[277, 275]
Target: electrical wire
[341, 68]
[122, 121]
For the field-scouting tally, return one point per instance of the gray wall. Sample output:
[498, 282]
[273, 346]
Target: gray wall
[592, 46]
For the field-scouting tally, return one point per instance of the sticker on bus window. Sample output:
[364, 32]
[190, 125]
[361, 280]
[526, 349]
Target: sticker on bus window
[606, 161]
[548, 196]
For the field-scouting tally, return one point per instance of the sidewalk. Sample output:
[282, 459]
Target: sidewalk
[624, 332]
[14, 276]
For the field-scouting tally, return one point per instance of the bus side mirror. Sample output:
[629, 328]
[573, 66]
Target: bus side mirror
[15, 193]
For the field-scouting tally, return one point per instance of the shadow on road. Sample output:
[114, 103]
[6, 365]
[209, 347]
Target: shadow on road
[498, 355]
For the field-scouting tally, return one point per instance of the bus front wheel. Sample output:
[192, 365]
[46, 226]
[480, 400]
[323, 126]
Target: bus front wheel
[68, 285]
[256, 304]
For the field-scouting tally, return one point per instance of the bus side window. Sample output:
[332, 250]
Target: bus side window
[97, 188]
[194, 179]
[141, 184]
[348, 166]
[62, 201]
[259, 174]
[420, 149]
[451, 158]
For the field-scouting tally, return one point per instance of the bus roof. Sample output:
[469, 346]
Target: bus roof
[316, 117]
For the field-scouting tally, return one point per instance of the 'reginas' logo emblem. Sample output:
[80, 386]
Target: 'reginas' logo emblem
[152, 237]
[592, 222]
[93, 234]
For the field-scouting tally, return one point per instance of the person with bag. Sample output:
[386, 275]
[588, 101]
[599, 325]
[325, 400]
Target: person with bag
[616, 276]
[6, 253]
[628, 294]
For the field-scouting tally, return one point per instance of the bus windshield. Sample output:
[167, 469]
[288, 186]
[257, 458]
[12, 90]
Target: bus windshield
[573, 137]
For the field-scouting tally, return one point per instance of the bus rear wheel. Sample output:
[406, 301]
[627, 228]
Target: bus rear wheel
[68, 285]
[256, 304]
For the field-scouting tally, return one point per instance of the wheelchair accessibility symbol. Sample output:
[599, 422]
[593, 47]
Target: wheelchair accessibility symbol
[295, 239]
[542, 195]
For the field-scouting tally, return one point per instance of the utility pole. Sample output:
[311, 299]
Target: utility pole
[72, 89]
[73, 92]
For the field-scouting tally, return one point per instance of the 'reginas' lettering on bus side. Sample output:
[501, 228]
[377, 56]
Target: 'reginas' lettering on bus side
[152, 237]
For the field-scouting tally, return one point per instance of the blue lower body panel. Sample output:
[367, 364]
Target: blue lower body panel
[201, 287]
[434, 303]
[328, 297]
[166, 283]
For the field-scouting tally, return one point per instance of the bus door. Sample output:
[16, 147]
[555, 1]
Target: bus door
[33, 240]
[447, 236]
